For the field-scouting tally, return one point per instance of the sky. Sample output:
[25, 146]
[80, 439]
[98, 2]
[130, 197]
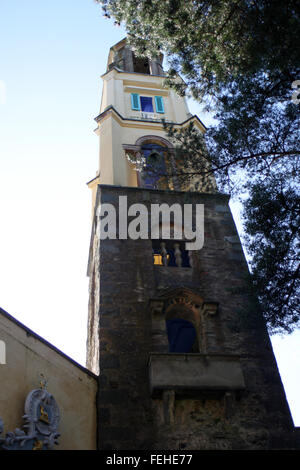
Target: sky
[52, 55]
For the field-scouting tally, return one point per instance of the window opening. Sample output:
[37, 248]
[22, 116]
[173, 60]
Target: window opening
[171, 253]
[155, 165]
[141, 65]
[181, 335]
[146, 104]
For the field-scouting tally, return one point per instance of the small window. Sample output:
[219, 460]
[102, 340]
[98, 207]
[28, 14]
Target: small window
[164, 253]
[145, 103]
[159, 104]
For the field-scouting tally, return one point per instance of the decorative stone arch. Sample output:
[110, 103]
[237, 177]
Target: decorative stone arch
[187, 304]
[135, 150]
[153, 139]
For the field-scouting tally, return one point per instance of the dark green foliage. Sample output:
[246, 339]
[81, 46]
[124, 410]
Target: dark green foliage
[190, 157]
[272, 221]
[257, 134]
[250, 142]
[211, 42]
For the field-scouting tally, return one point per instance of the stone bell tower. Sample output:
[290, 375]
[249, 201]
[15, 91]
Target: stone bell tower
[182, 352]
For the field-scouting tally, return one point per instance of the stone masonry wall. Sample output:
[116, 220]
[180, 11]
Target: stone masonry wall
[121, 320]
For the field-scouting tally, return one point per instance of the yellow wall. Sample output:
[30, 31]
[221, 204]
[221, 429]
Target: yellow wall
[74, 389]
[117, 87]
[122, 125]
[119, 125]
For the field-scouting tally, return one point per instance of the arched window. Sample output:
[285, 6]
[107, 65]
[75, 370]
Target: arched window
[181, 329]
[157, 153]
[154, 175]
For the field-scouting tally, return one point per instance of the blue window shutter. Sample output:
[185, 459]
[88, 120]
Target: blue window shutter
[135, 102]
[159, 104]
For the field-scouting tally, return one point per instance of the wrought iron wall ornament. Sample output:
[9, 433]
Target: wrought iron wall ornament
[40, 430]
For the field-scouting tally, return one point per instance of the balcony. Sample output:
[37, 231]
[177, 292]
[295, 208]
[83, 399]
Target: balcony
[194, 373]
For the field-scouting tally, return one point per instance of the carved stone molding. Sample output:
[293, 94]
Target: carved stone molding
[185, 297]
[189, 305]
[155, 139]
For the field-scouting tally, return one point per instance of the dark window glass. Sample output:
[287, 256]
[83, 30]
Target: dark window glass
[181, 335]
[155, 165]
[147, 104]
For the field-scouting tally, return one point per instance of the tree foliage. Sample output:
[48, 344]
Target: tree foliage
[239, 58]
[211, 42]
[257, 133]
[266, 143]
[272, 225]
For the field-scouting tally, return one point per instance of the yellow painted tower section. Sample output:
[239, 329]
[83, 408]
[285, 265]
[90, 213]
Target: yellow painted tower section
[123, 126]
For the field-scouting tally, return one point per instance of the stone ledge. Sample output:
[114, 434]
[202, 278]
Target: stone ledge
[148, 192]
[194, 372]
